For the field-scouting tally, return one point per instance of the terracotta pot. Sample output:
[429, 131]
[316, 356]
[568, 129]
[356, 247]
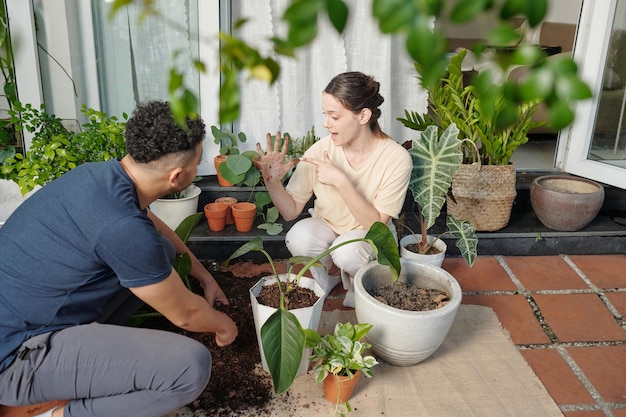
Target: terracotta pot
[221, 180]
[244, 214]
[229, 213]
[338, 389]
[565, 203]
[216, 216]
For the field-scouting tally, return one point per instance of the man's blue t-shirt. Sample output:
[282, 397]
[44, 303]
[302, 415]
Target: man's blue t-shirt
[69, 248]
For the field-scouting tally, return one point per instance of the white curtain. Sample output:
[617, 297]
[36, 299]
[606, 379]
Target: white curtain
[293, 103]
[138, 56]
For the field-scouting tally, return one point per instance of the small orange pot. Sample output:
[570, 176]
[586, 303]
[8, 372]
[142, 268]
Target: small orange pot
[244, 214]
[216, 216]
[338, 389]
[221, 180]
[229, 213]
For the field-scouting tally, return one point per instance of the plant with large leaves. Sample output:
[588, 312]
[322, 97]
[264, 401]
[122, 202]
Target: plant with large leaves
[435, 160]
[282, 335]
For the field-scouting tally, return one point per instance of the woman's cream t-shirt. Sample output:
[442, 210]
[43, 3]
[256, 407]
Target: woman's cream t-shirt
[383, 180]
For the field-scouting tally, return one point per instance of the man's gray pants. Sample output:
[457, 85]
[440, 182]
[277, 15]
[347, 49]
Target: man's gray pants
[108, 370]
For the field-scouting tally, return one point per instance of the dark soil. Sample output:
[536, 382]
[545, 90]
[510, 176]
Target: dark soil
[415, 247]
[411, 298]
[237, 383]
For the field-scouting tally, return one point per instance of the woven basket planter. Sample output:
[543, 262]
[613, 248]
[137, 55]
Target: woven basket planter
[483, 195]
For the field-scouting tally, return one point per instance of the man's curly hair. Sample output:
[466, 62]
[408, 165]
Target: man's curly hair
[152, 133]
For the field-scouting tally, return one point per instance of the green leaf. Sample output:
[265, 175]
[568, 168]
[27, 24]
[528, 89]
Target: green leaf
[512, 8]
[271, 229]
[256, 244]
[283, 340]
[337, 14]
[535, 11]
[571, 88]
[466, 10]
[272, 214]
[560, 115]
[435, 160]
[386, 248]
[466, 240]
[393, 15]
[182, 265]
[185, 228]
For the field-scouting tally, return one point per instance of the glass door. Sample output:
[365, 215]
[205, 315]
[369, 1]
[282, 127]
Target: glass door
[595, 145]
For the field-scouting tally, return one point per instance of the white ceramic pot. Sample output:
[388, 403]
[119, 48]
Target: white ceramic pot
[434, 259]
[399, 337]
[174, 211]
[309, 317]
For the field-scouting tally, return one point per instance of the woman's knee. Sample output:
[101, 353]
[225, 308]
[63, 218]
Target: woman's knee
[350, 258]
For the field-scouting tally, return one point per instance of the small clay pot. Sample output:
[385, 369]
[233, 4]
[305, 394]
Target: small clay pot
[338, 389]
[219, 159]
[565, 203]
[216, 216]
[229, 213]
[244, 214]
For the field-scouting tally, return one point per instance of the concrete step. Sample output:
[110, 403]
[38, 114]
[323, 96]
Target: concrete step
[524, 235]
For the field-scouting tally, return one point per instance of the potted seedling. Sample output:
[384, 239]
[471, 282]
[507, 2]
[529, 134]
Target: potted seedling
[435, 160]
[340, 360]
[280, 329]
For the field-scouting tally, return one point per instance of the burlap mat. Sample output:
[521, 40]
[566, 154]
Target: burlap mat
[477, 371]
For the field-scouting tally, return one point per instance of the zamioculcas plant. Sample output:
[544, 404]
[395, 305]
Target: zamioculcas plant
[282, 335]
[435, 160]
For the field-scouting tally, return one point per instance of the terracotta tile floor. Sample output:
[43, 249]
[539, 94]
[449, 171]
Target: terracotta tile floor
[564, 313]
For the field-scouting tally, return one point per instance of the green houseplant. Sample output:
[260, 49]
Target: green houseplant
[238, 167]
[282, 337]
[56, 150]
[492, 130]
[338, 357]
[435, 160]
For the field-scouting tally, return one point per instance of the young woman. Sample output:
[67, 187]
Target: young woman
[358, 174]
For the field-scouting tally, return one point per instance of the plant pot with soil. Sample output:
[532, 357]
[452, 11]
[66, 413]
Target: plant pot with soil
[282, 335]
[174, 208]
[564, 202]
[406, 335]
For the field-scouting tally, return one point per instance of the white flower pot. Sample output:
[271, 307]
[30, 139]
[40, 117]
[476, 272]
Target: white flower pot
[435, 259]
[399, 337]
[308, 317]
[174, 211]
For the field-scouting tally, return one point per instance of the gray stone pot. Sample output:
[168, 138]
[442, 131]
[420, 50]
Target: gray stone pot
[564, 202]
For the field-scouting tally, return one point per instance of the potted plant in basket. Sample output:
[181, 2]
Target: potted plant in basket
[435, 160]
[483, 188]
[280, 330]
[339, 360]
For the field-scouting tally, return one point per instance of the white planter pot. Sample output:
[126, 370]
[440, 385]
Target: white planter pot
[435, 259]
[399, 337]
[308, 317]
[174, 211]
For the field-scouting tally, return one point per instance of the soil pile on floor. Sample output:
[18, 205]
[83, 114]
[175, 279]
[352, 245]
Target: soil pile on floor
[237, 380]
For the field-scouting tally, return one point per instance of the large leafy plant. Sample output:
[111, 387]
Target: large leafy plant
[56, 150]
[282, 335]
[435, 160]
